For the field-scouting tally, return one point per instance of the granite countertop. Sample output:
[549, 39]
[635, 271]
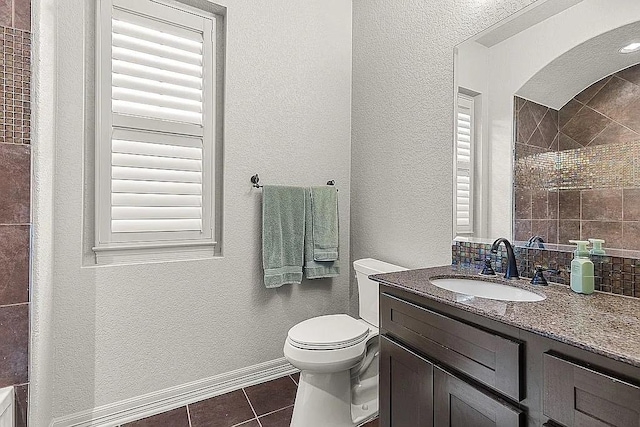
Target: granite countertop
[601, 323]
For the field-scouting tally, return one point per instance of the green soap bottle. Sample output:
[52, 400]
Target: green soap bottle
[597, 247]
[581, 269]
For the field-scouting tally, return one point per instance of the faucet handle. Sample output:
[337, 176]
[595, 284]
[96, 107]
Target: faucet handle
[487, 270]
[538, 277]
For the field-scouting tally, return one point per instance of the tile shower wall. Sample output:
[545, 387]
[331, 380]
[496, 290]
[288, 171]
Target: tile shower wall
[536, 193]
[15, 177]
[577, 170]
[614, 274]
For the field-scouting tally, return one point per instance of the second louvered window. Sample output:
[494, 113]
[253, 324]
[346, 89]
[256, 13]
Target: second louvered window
[463, 205]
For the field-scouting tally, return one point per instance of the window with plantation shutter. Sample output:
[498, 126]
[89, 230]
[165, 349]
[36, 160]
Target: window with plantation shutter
[463, 206]
[155, 128]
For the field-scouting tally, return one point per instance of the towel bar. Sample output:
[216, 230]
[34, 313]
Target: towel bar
[255, 181]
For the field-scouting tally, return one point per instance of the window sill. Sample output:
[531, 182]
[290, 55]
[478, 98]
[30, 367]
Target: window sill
[115, 254]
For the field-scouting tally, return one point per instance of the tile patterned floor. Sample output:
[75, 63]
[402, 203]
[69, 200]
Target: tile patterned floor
[268, 404]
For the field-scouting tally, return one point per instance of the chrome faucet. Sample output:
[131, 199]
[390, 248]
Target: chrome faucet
[512, 268]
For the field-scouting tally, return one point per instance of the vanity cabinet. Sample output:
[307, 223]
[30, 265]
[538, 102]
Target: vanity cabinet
[444, 366]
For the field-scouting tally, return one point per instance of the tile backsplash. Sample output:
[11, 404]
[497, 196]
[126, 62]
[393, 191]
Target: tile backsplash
[577, 169]
[614, 274]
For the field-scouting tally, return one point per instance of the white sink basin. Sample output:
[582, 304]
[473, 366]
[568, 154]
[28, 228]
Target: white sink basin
[480, 288]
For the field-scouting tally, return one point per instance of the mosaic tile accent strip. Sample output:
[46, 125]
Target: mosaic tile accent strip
[15, 85]
[602, 166]
[616, 275]
[535, 169]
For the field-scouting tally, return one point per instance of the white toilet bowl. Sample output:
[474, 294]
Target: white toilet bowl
[338, 359]
[330, 371]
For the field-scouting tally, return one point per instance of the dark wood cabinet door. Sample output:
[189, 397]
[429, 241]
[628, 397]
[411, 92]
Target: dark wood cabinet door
[459, 404]
[406, 387]
[579, 396]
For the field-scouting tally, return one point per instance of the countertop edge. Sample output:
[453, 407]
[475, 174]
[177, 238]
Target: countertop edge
[487, 314]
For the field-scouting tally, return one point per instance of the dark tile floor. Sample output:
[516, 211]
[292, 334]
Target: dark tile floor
[268, 404]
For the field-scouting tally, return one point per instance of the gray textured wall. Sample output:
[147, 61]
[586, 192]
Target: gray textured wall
[123, 331]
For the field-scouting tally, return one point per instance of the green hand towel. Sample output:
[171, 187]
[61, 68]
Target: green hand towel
[315, 269]
[283, 232]
[324, 208]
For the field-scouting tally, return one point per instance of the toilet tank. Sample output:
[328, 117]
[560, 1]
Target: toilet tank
[368, 289]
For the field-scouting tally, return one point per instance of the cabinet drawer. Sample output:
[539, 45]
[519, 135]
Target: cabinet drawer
[579, 396]
[488, 358]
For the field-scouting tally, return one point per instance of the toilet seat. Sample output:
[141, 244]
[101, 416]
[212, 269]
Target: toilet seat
[331, 332]
[328, 343]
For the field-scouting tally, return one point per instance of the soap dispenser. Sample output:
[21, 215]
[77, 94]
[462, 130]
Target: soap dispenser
[581, 269]
[597, 247]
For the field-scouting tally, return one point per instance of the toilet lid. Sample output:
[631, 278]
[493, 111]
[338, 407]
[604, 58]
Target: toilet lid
[328, 332]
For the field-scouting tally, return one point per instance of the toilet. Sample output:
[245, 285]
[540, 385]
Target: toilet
[338, 359]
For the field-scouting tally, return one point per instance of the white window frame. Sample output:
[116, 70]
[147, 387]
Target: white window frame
[466, 105]
[113, 248]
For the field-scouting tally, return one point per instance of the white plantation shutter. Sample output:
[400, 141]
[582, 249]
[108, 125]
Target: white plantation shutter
[155, 186]
[463, 165]
[156, 118]
[157, 72]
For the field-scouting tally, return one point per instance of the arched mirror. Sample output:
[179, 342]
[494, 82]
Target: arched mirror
[547, 132]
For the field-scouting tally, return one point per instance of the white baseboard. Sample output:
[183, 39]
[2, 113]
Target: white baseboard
[165, 400]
